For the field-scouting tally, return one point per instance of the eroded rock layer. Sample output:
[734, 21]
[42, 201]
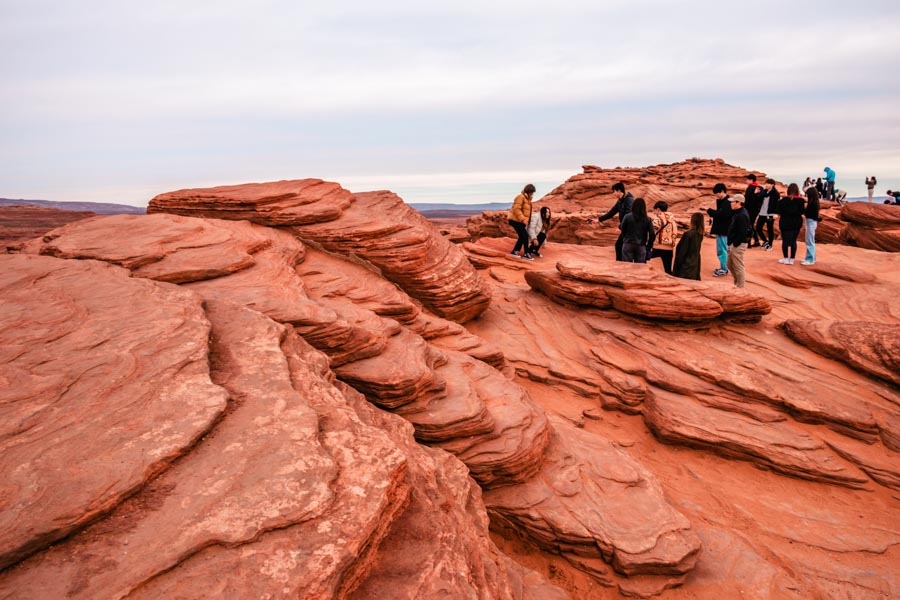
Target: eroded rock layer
[375, 226]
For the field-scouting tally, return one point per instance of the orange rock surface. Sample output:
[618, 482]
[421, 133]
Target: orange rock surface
[277, 404]
[22, 223]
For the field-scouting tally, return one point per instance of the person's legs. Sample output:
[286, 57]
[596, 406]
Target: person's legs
[640, 253]
[722, 251]
[760, 235]
[619, 248]
[522, 233]
[736, 264]
[541, 238]
[628, 252]
[770, 227]
[755, 240]
[666, 257]
[829, 190]
[871, 193]
[811, 225]
[792, 243]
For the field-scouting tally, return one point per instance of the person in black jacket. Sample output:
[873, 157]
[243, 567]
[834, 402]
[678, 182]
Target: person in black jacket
[790, 210]
[753, 201]
[812, 221]
[739, 233]
[637, 233]
[767, 213]
[622, 208]
[721, 217]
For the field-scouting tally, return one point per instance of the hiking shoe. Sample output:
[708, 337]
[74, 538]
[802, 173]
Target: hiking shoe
[768, 247]
[513, 255]
[527, 257]
[808, 262]
[536, 254]
[784, 261]
[720, 272]
[790, 261]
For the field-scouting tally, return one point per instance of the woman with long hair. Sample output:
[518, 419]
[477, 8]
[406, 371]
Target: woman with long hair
[790, 221]
[637, 233]
[537, 230]
[687, 252]
[812, 221]
[519, 217]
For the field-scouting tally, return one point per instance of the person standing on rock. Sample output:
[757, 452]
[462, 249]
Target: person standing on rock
[790, 221]
[637, 233]
[687, 253]
[766, 219]
[739, 235]
[666, 232]
[753, 200]
[519, 217]
[721, 217]
[871, 182]
[829, 183]
[537, 230]
[622, 208]
[812, 221]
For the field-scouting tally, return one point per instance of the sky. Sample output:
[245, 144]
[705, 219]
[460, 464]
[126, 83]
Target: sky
[117, 101]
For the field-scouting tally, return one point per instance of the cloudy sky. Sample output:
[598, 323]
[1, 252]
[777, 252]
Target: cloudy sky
[118, 100]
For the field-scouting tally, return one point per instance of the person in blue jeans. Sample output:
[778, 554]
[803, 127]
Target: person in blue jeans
[811, 213]
[721, 217]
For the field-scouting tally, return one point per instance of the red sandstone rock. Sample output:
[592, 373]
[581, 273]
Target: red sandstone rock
[21, 223]
[376, 226]
[872, 348]
[105, 383]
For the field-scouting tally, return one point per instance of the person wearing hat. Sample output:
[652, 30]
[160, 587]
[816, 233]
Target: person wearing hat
[738, 237]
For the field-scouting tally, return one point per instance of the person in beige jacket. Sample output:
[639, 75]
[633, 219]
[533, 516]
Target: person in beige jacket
[519, 217]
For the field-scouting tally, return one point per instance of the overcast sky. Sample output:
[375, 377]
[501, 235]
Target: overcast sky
[116, 101]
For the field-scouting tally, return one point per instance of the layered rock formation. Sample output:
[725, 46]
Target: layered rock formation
[377, 227]
[21, 223]
[628, 430]
[686, 186]
[214, 453]
[430, 371]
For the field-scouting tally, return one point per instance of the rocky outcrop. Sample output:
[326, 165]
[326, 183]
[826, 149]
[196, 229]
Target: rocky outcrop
[22, 223]
[636, 290]
[873, 226]
[872, 348]
[686, 186]
[214, 454]
[403, 359]
[377, 227]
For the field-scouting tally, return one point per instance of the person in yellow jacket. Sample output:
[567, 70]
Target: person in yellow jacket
[519, 217]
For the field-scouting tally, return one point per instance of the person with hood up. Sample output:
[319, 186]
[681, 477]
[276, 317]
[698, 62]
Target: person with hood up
[519, 217]
[829, 183]
[738, 238]
[537, 230]
[622, 207]
[721, 220]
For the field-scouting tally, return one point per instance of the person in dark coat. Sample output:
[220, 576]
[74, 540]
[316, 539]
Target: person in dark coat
[621, 208]
[637, 233]
[767, 213]
[721, 217]
[739, 234]
[790, 221]
[753, 201]
[687, 252]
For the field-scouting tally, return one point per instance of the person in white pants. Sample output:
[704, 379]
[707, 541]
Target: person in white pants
[871, 182]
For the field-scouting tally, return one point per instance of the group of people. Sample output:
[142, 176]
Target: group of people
[739, 222]
[826, 188]
[531, 227]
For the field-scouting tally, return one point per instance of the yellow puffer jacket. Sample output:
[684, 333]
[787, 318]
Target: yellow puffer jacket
[521, 209]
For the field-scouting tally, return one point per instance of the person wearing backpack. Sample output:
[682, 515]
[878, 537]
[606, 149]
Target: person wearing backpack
[666, 233]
